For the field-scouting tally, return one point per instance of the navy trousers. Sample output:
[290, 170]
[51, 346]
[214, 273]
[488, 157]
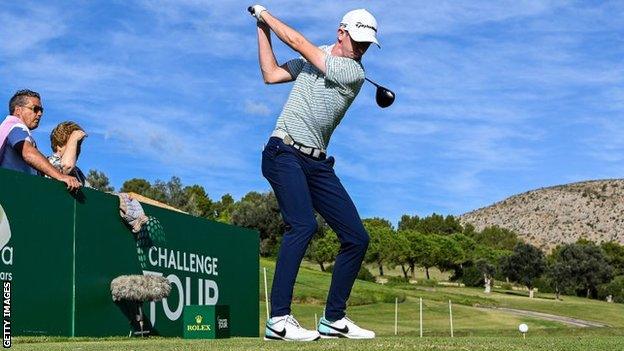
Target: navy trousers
[303, 184]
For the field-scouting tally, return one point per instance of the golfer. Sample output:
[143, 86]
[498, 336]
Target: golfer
[294, 161]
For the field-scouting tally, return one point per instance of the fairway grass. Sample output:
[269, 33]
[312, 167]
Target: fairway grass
[554, 343]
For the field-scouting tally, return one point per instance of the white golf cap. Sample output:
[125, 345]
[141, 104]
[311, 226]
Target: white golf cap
[361, 25]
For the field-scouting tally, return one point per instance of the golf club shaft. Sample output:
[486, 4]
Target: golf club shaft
[373, 83]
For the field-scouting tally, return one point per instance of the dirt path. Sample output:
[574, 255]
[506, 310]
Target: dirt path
[549, 317]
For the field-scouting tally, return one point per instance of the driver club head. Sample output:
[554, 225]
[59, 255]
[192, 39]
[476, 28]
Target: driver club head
[384, 97]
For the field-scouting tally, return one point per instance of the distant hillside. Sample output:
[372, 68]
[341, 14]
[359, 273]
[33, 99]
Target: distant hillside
[546, 217]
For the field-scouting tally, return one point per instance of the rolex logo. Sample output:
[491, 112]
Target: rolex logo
[199, 319]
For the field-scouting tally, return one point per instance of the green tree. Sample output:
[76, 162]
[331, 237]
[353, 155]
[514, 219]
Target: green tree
[524, 265]
[99, 181]
[174, 193]
[486, 260]
[497, 238]
[446, 252]
[381, 233]
[261, 212]
[433, 224]
[401, 251]
[579, 266]
[197, 202]
[615, 288]
[595, 269]
[408, 222]
[420, 250]
[143, 187]
[560, 275]
[467, 254]
[136, 185]
[426, 252]
[487, 268]
[615, 256]
[222, 209]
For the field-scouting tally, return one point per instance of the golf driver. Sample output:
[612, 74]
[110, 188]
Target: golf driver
[384, 96]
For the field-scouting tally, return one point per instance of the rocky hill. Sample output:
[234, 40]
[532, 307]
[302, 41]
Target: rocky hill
[550, 216]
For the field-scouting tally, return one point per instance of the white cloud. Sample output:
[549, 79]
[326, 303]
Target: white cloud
[26, 26]
[257, 108]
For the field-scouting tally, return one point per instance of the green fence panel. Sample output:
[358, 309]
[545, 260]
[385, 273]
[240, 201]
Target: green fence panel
[67, 250]
[40, 215]
[105, 249]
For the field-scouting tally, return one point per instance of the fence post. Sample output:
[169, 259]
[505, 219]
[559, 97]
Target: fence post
[266, 294]
[421, 323]
[451, 316]
[396, 315]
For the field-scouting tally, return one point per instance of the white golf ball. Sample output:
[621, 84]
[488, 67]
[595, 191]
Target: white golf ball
[523, 328]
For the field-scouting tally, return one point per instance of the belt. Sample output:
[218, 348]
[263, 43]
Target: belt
[306, 150]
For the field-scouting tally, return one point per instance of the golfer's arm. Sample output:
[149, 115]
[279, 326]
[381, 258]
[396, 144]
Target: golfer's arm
[272, 73]
[296, 41]
[36, 160]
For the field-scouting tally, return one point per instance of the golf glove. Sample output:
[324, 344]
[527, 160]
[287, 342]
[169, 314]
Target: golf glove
[256, 10]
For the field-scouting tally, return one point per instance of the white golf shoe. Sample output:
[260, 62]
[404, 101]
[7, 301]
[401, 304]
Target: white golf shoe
[287, 328]
[343, 328]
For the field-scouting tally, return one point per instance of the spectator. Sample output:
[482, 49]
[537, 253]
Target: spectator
[66, 140]
[18, 150]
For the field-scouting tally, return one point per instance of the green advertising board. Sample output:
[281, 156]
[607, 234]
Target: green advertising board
[61, 252]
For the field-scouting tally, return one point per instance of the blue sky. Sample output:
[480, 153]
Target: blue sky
[494, 98]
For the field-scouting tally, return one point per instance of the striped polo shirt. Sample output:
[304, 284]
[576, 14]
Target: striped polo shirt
[318, 102]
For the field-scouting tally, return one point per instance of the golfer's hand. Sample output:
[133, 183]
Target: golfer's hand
[72, 183]
[256, 10]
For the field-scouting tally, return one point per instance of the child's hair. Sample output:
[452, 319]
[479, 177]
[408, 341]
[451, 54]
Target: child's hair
[60, 134]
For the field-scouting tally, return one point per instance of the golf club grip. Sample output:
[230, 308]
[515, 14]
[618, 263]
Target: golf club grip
[250, 9]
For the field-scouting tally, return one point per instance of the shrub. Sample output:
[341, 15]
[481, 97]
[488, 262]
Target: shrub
[543, 285]
[507, 286]
[365, 274]
[392, 280]
[390, 299]
[614, 288]
[472, 277]
[427, 282]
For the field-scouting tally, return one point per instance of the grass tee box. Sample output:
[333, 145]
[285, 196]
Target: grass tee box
[206, 322]
[62, 252]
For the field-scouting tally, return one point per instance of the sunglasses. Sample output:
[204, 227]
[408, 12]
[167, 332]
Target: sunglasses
[35, 108]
